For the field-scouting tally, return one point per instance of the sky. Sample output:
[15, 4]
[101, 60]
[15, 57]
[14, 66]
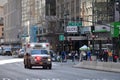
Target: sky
[2, 2]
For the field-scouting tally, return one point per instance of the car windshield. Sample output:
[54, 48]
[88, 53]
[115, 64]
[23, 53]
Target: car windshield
[39, 52]
[7, 49]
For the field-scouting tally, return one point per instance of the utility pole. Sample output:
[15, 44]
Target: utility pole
[116, 40]
[93, 26]
[66, 14]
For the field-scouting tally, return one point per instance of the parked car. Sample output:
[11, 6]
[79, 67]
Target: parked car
[37, 57]
[0, 51]
[7, 51]
[21, 53]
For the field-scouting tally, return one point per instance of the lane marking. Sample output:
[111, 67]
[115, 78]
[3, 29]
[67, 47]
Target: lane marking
[2, 62]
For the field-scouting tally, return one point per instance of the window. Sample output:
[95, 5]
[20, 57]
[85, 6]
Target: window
[39, 52]
[2, 34]
[2, 29]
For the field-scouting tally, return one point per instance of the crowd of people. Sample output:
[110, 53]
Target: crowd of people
[107, 55]
[104, 56]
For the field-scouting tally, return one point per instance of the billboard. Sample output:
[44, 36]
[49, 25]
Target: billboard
[33, 33]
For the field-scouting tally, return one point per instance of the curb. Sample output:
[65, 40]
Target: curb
[101, 66]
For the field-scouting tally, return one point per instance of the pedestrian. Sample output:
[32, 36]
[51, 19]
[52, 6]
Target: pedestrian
[63, 55]
[17, 51]
[89, 55]
[76, 54]
[110, 56]
[73, 56]
[58, 56]
[105, 55]
[101, 56]
[82, 54]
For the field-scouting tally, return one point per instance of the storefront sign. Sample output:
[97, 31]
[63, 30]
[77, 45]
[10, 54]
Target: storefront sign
[72, 29]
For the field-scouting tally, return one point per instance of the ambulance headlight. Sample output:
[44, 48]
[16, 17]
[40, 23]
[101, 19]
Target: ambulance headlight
[49, 59]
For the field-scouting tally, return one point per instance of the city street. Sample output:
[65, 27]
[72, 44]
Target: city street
[12, 69]
[35, 35]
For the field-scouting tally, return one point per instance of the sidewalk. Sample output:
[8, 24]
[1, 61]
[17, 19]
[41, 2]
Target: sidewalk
[104, 66]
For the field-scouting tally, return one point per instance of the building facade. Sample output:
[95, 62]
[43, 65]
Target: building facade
[39, 14]
[69, 11]
[12, 20]
[97, 13]
[1, 25]
[47, 20]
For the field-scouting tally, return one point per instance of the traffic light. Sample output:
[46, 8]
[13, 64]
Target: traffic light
[117, 4]
[92, 29]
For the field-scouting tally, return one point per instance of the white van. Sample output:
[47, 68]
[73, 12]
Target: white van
[30, 46]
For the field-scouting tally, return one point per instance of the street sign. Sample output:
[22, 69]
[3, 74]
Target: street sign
[74, 23]
[115, 29]
[61, 37]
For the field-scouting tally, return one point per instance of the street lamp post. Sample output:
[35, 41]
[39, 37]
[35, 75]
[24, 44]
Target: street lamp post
[93, 40]
[117, 3]
[93, 43]
[66, 14]
[117, 6]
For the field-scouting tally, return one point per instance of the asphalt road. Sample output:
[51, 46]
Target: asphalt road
[12, 69]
